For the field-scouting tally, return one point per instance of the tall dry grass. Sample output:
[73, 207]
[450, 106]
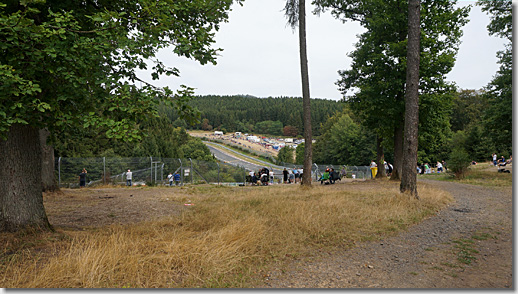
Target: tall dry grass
[227, 237]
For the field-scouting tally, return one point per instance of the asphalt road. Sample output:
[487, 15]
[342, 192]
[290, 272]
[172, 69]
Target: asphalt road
[228, 156]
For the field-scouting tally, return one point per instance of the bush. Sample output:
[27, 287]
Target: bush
[459, 162]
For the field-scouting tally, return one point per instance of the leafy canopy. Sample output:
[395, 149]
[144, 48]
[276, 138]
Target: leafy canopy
[67, 64]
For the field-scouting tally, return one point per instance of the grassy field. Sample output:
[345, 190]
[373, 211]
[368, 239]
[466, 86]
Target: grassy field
[482, 174]
[229, 238]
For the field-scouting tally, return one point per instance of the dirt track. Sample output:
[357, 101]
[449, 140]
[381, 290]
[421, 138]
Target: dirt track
[426, 256]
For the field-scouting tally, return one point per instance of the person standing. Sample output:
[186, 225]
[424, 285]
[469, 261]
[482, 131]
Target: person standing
[494, 159]
[129, 176]
[285, 175]
[374, 168]
[82, 178]
[170, 179]
[439, 167]
[176, 178]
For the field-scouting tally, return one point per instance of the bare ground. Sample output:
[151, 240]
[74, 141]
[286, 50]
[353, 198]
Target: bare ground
[425, 256]
[466, 245]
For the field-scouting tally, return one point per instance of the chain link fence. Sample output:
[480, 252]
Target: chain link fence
[153, 171]
[150, 171]
[348, 171]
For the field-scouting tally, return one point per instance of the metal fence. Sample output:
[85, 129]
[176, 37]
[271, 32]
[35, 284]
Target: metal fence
[354, 172]
[153, 171]
[150, 171]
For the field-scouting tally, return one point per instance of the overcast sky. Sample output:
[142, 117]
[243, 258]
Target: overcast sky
[260, 54]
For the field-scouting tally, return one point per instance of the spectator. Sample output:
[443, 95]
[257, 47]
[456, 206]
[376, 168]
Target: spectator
[374, 169]
[129, 176]
[82, 178]
[494, 159]
[333, 176]
[285, 176]
[170, 179]
[439, 167]
[177, 178]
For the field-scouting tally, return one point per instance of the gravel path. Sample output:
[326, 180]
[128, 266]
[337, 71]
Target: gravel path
[424, 256]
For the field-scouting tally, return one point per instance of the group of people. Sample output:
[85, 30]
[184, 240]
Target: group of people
[292, 175]
[374, 168]
[329, 176]
[261, 177]
[174, 178]
[501, 162]
[425, 168]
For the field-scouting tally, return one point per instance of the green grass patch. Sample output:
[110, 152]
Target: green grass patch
[481, 175]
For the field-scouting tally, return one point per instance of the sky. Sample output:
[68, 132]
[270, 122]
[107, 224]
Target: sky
[260, 54]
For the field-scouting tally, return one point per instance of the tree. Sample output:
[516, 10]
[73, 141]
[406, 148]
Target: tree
[378, 71]
[286, 155]
[498, 116]
[296, 14]
[344, 141]
[409, 172]
[290, 131]
[66, 66]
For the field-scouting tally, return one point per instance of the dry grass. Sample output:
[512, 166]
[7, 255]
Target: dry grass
[224, 240]
[482, 174]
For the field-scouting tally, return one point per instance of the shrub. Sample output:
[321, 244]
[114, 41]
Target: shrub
[459, 162]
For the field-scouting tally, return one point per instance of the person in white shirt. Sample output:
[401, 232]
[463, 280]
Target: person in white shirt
[129, 175]
[170, 179]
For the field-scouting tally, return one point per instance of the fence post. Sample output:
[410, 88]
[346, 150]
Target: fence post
[192, 173]
[104, 170]
[162, 174]
[151, 169]
[59, 172]
[218, 172]
[181, 170]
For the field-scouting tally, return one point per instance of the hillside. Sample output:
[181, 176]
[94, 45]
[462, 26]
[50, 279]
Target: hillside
[261, 115]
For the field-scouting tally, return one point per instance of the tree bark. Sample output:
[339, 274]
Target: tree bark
[48, 178]
[380, 159]
[409, 172]
[308, 150]
[21, 199]
[398, 153]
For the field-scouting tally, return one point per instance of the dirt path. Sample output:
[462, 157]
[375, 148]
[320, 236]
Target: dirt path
[466, 245]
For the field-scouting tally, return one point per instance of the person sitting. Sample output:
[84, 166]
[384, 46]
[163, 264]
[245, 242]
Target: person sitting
[502, 162]
[333, 176]
[264, 178]
[325, 177]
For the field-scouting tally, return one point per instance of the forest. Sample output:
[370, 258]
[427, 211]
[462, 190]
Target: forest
[244, 113]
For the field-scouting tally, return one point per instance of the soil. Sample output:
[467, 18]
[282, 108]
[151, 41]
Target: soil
[80, 209]
[477, 226]
[424, 256]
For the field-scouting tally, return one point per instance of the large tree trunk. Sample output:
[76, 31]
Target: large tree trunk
[409, 172]
[398, 153]
[308, 149]
[21, 199]
[48, 178]
[380, 159]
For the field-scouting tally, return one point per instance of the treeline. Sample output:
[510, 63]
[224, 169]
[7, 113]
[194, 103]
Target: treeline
[159, 138]
[345, 140]
[272, 115]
